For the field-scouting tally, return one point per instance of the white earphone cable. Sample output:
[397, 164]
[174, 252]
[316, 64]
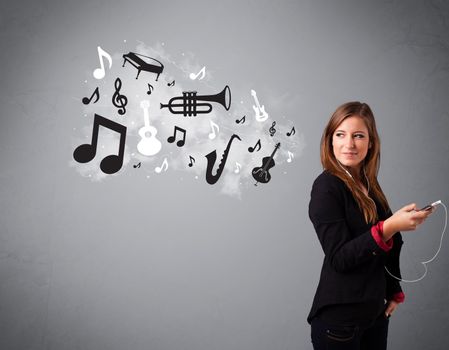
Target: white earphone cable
[428, 261]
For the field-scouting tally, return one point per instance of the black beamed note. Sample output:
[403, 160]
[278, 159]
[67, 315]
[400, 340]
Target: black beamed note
[86, 152]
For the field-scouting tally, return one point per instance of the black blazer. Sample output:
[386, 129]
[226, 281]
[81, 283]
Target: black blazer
[353, 267]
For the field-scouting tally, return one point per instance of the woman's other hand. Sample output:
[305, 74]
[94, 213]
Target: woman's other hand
[392, 305]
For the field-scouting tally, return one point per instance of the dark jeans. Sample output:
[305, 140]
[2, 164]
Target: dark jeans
[330, 337]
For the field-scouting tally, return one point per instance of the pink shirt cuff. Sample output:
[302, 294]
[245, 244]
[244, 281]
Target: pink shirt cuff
[376, 232]
[399, 297]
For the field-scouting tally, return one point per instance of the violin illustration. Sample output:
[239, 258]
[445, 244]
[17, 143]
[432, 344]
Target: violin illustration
[261, 174]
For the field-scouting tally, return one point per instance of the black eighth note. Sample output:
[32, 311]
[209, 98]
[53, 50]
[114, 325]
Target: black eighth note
[150, 88]
[242, 120]
[257, 145]
[87, 100]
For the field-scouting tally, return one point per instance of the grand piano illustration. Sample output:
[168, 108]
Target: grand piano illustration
[144, 63]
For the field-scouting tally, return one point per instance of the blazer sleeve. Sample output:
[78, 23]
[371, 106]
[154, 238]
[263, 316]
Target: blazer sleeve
[344, 251]
[392, 264]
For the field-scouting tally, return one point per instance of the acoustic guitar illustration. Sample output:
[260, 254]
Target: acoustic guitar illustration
[261, 174]
[149, 145]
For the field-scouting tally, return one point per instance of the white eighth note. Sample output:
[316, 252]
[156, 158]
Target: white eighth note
[99, 73]
[212, 135]
[164, 165]
[202, 72]
[238, 166]
[290, 157]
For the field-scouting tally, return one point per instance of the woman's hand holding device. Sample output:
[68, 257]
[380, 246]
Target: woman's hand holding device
[406, 219]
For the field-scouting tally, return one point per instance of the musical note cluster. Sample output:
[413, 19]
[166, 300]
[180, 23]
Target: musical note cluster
[190, 104]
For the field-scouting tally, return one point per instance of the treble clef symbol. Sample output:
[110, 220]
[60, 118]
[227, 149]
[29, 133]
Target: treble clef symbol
[119, 101]
[272, 130]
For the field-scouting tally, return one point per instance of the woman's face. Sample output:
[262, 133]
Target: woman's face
[350, 142]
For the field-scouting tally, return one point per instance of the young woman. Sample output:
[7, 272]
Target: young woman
[359, 235]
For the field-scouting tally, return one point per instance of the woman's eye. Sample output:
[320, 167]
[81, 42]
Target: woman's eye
[339, 134]
[359, 136]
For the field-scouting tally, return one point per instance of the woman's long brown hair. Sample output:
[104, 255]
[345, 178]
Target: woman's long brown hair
[371, 162]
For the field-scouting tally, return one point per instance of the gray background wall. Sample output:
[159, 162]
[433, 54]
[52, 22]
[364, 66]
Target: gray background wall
[172, 263]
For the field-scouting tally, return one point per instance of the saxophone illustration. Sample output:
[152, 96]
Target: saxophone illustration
[212, 157]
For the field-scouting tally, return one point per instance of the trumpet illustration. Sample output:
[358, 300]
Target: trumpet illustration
[191, 104]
